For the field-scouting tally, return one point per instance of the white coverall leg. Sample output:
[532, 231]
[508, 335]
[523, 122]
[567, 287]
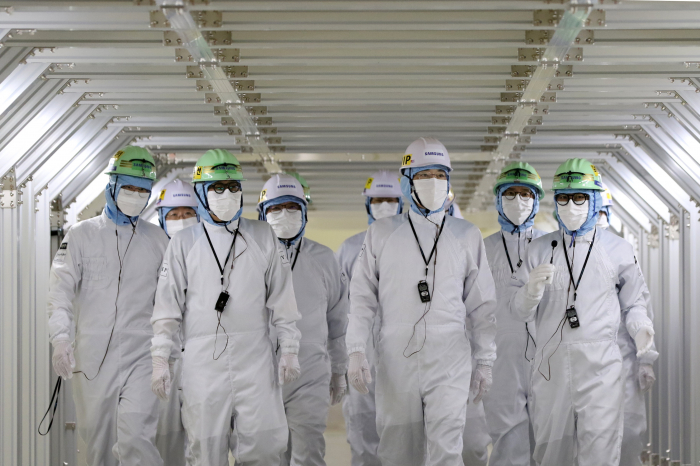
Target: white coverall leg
[422, 399]
[508, 411]
[170, 437]
[360, 411]
[231, 397]
[476, 439]
[578, 412]
[322, 300]
[116, 411]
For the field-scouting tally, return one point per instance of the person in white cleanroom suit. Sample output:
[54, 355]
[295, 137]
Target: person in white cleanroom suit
[476, 439]
[638, 372]
[577, 296]
[225, 280]
[382, 199]
[103, 281]
[423, 355]
[322, 299]
[518, 191]
[177, 209]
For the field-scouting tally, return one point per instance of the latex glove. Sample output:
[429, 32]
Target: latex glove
[63, 360]
[646, 377]
[482, 379]
[540, 276]
[162, 377]
[338, 388]
[358, 372]
[289, 369]
[644, 339]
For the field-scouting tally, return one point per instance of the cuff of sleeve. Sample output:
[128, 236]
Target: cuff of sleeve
[161, 347]
[649, 357]
[356, 349]
[484, 362]
[289, 346]
[59, 338]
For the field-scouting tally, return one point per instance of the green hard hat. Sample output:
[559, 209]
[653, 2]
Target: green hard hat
[132, 161]
[521, 173]
[217, 165]
[577, 174]
[304, 185]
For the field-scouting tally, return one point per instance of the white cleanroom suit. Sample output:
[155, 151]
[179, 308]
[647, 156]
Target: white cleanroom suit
[359, 410]
[323, 303]
[577, 377]
[104, 276]
[422, 399]
[507, 408]
[231, 396]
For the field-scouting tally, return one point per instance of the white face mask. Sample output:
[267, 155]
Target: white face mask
[602, 221]
[518, 210]
[173, 226]
[131, 203]
[224, 205]
[572, 215]
[432, 193]
[383, 210]
[285, 223]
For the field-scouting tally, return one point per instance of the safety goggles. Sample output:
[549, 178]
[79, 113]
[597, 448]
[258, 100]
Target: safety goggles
[578, 198]
[511, 194]
[219, 188]
[289, 206]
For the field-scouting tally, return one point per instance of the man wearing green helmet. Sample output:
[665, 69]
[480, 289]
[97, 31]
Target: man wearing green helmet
[103, 282]
[225, 281]
[577, 302]
[518, 191]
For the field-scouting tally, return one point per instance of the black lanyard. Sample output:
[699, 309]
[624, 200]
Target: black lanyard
[296, 255]
[520, 261]
[568, 264]
[221, 269]
[427, 261]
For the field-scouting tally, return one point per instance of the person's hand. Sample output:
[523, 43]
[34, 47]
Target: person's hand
[63, 360]
[482, 379]
[338, 388]
[358, 372]
[540, 276]
[161, 377]
[646, 377]
[289, 369]
[644, 339]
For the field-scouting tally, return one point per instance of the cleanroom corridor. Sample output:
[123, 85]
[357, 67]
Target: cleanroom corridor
[350, 232]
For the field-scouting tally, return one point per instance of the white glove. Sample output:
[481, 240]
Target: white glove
[482, 379]
[646, 377]
[644, 339]
[338, 388]
[540, 276]
[63, 360]
[161, 377]
[289, 369]
[358, 372]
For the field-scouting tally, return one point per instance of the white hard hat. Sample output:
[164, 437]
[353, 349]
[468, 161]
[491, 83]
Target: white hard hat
[607, 196]
[281, 185]
[382, 184]
[424, 152]
[177, 193]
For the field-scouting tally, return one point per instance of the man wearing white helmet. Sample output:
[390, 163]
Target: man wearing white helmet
[638, 371]
[322, 299]
[425, 274]
[382, 199]
[176, 207]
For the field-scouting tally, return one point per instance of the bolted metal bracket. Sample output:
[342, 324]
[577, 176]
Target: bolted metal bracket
[511, 97]
[235, 71]
[547, 17]
[249, 98]
[564, 71]
[500, 120]
[194, 72]
[574, 54]
[505, 109]
[530, 54]
[228, 121]
[243, 85]
[522, 71]
[516, 84]
[492, 139]
[158, 20]
[212, 98]
[267, 130]
[548, 97]
[9, 194]
[596, 18]
[262, 121]
[208, 18]
[257, 110]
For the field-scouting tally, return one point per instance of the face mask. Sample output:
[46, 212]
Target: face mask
[518, 210]
[432, 193]
[131, 203]
[173, 226]
[285, 223]
[383, 210]
[224, 205]
[602, 221]
[572, 215]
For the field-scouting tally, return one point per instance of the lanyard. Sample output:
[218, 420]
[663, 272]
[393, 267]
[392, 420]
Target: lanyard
[296, 255]
[520, 261]
[427, 261]
[221, 269]
[568, 264]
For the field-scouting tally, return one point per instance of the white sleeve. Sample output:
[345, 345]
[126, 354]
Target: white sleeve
[337, 317]
[522, 305]
[170, 303]
[364, 297]
[280, 298]
[65, 277]
[633, 294]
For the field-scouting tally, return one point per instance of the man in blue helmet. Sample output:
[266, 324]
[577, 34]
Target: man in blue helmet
[382, 199]
[425, 274]
[103, 282]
